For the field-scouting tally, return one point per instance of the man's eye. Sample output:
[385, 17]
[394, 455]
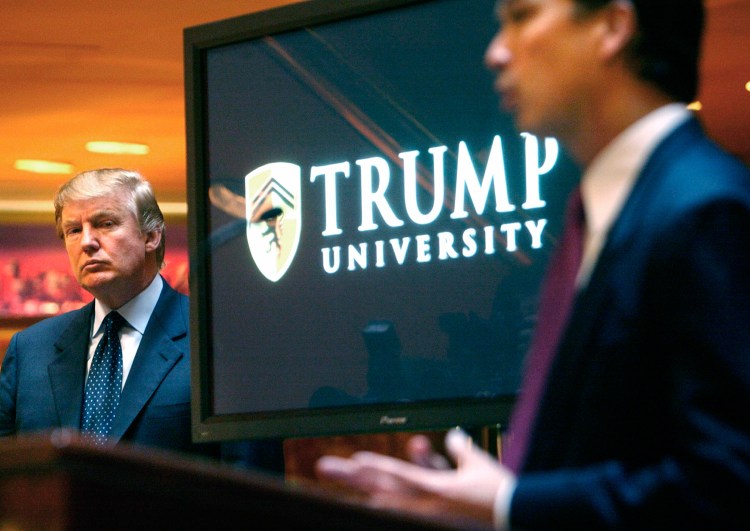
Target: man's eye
[517, 14]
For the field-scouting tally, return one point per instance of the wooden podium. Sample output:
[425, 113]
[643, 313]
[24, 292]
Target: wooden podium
[57, 482]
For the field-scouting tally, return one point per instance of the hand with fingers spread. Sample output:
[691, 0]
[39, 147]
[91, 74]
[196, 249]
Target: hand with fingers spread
[427, 484]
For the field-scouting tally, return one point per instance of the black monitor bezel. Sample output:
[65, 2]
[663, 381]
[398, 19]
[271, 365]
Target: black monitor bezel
[364, 418]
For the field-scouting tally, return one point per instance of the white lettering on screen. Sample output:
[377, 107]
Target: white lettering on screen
[471, 192]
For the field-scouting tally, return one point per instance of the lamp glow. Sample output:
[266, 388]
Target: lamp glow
[117, 148]
[695, 106]
[43, 166]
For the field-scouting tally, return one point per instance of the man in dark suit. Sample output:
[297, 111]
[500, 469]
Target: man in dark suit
[642, 418]
[113, 232]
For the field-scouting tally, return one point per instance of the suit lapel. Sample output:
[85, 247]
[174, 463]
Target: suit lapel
[574, 349]
[156, 356]
[625, 232]
[67, 372]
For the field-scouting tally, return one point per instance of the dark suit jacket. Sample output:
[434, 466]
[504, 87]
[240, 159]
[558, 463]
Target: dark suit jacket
[43, 374]
[645, 423]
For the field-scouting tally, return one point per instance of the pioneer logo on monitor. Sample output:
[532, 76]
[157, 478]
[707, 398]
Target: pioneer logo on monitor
[273, 211]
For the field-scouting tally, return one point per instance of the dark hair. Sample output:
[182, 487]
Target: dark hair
[666, 49]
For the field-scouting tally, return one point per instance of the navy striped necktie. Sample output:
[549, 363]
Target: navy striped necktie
[557, 296]
[104, 383]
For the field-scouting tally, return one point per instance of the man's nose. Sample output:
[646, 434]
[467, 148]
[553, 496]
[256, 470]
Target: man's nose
[497, 55]
[89, 238]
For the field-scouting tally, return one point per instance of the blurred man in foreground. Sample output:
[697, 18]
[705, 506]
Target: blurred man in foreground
[633, 410]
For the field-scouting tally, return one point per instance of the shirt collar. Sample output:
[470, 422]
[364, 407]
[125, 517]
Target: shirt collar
[610, 176]
[136, 311]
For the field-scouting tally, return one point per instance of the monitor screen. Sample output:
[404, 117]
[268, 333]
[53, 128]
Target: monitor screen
[368, 230]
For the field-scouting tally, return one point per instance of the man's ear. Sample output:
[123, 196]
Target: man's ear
[153, 239]
[619, 24]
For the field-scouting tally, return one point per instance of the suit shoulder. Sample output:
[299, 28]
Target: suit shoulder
[693, 170]
[173, 297]
[173, 310]
[53, 324]
[689, 152]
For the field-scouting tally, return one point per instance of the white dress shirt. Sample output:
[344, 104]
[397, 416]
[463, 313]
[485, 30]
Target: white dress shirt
[137, 313]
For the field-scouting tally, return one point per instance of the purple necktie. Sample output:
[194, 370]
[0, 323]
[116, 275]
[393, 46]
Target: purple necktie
[558, 293]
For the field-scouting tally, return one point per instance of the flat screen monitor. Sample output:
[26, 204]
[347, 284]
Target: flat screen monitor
[367, 229]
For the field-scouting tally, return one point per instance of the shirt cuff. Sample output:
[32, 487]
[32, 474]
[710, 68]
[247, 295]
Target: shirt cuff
[501, 507]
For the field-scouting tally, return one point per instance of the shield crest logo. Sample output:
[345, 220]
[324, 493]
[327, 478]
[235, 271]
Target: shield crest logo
[273, 211]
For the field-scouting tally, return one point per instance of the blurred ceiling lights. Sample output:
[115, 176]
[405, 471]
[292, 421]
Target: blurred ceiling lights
[63, 168]
[43, 166]
[72, 72]
[117, 148]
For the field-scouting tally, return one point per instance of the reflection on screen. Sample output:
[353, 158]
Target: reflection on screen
[377, 227]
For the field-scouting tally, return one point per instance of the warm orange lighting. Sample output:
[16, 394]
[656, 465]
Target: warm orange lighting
[695, 106]
[747, 86]
[43, 166]
[117, 148]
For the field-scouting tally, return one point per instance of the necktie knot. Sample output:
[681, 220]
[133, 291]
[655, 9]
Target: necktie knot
[570, 252]
[113, 323]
